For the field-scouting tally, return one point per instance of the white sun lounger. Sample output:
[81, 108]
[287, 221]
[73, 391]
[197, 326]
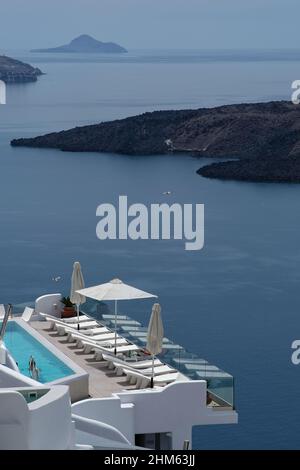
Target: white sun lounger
[98, 338]
[82, 318]
[143, 364]
[66, 320]
[27, 314]
[120, 341]
[88, 345]
[143, 381]
[53, 320]
[99, 349]
[50, 319]
[104, 338]
[84, 325]
[158, 370]
[120, 350]
[73, 335]
[63, 329]
[67, 330]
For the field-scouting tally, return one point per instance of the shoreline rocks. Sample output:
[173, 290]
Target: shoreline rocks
[263, 138]
[15, 71]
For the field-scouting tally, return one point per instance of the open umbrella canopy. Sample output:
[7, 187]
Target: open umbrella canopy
[114, 290]
[76, 284]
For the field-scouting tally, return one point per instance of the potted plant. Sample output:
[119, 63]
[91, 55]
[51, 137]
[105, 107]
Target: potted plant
[69, 310]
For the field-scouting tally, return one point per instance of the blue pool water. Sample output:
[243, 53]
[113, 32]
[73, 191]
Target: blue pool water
[22, 345]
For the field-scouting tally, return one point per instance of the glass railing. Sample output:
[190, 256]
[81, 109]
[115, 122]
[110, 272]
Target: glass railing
[18, 309]
[220, 384]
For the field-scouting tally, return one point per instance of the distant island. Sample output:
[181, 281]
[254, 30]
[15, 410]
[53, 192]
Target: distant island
[15, 71]
[262, 140]
[86, 44]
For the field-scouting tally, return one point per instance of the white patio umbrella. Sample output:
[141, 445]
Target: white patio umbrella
[76, 284]
[155, 335]
[114, 290]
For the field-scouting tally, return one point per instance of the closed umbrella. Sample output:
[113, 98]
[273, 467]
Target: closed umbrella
[114, 290]
[77, 283]
[155, 335]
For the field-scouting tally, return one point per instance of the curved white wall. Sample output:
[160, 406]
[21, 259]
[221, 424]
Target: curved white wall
[12, 378]
[176, 408]
[109, 411]
[44, 424]
[14, 421]
[50, 423]
[49, 304]
[93, 432]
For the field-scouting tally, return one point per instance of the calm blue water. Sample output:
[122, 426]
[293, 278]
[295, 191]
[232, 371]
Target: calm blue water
[236, 303]
[22, 345]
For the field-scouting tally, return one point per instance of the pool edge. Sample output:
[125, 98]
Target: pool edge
[78, 382]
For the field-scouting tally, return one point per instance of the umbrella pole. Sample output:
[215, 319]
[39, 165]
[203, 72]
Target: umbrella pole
[78, 326]
[116, 307]
[152, 377]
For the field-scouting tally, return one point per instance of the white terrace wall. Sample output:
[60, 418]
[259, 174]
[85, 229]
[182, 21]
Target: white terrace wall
[175, 408]
[43, 424]
[49, 304]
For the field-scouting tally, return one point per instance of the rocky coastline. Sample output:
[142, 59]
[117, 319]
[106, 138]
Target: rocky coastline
[262, 138]
[15, 71]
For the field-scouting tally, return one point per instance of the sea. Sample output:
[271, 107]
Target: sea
[236, 302]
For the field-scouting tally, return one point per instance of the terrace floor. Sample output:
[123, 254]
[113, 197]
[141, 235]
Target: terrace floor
[102, 382]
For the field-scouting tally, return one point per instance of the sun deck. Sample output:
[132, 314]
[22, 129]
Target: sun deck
[102, 382]
[116, 387]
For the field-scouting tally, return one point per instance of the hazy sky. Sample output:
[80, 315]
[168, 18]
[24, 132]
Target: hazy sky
[152, 23]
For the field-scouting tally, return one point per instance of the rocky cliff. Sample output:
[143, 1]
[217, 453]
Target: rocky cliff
[15, 71]
[264, 138]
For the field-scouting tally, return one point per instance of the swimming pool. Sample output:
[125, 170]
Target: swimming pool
[22, 345]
